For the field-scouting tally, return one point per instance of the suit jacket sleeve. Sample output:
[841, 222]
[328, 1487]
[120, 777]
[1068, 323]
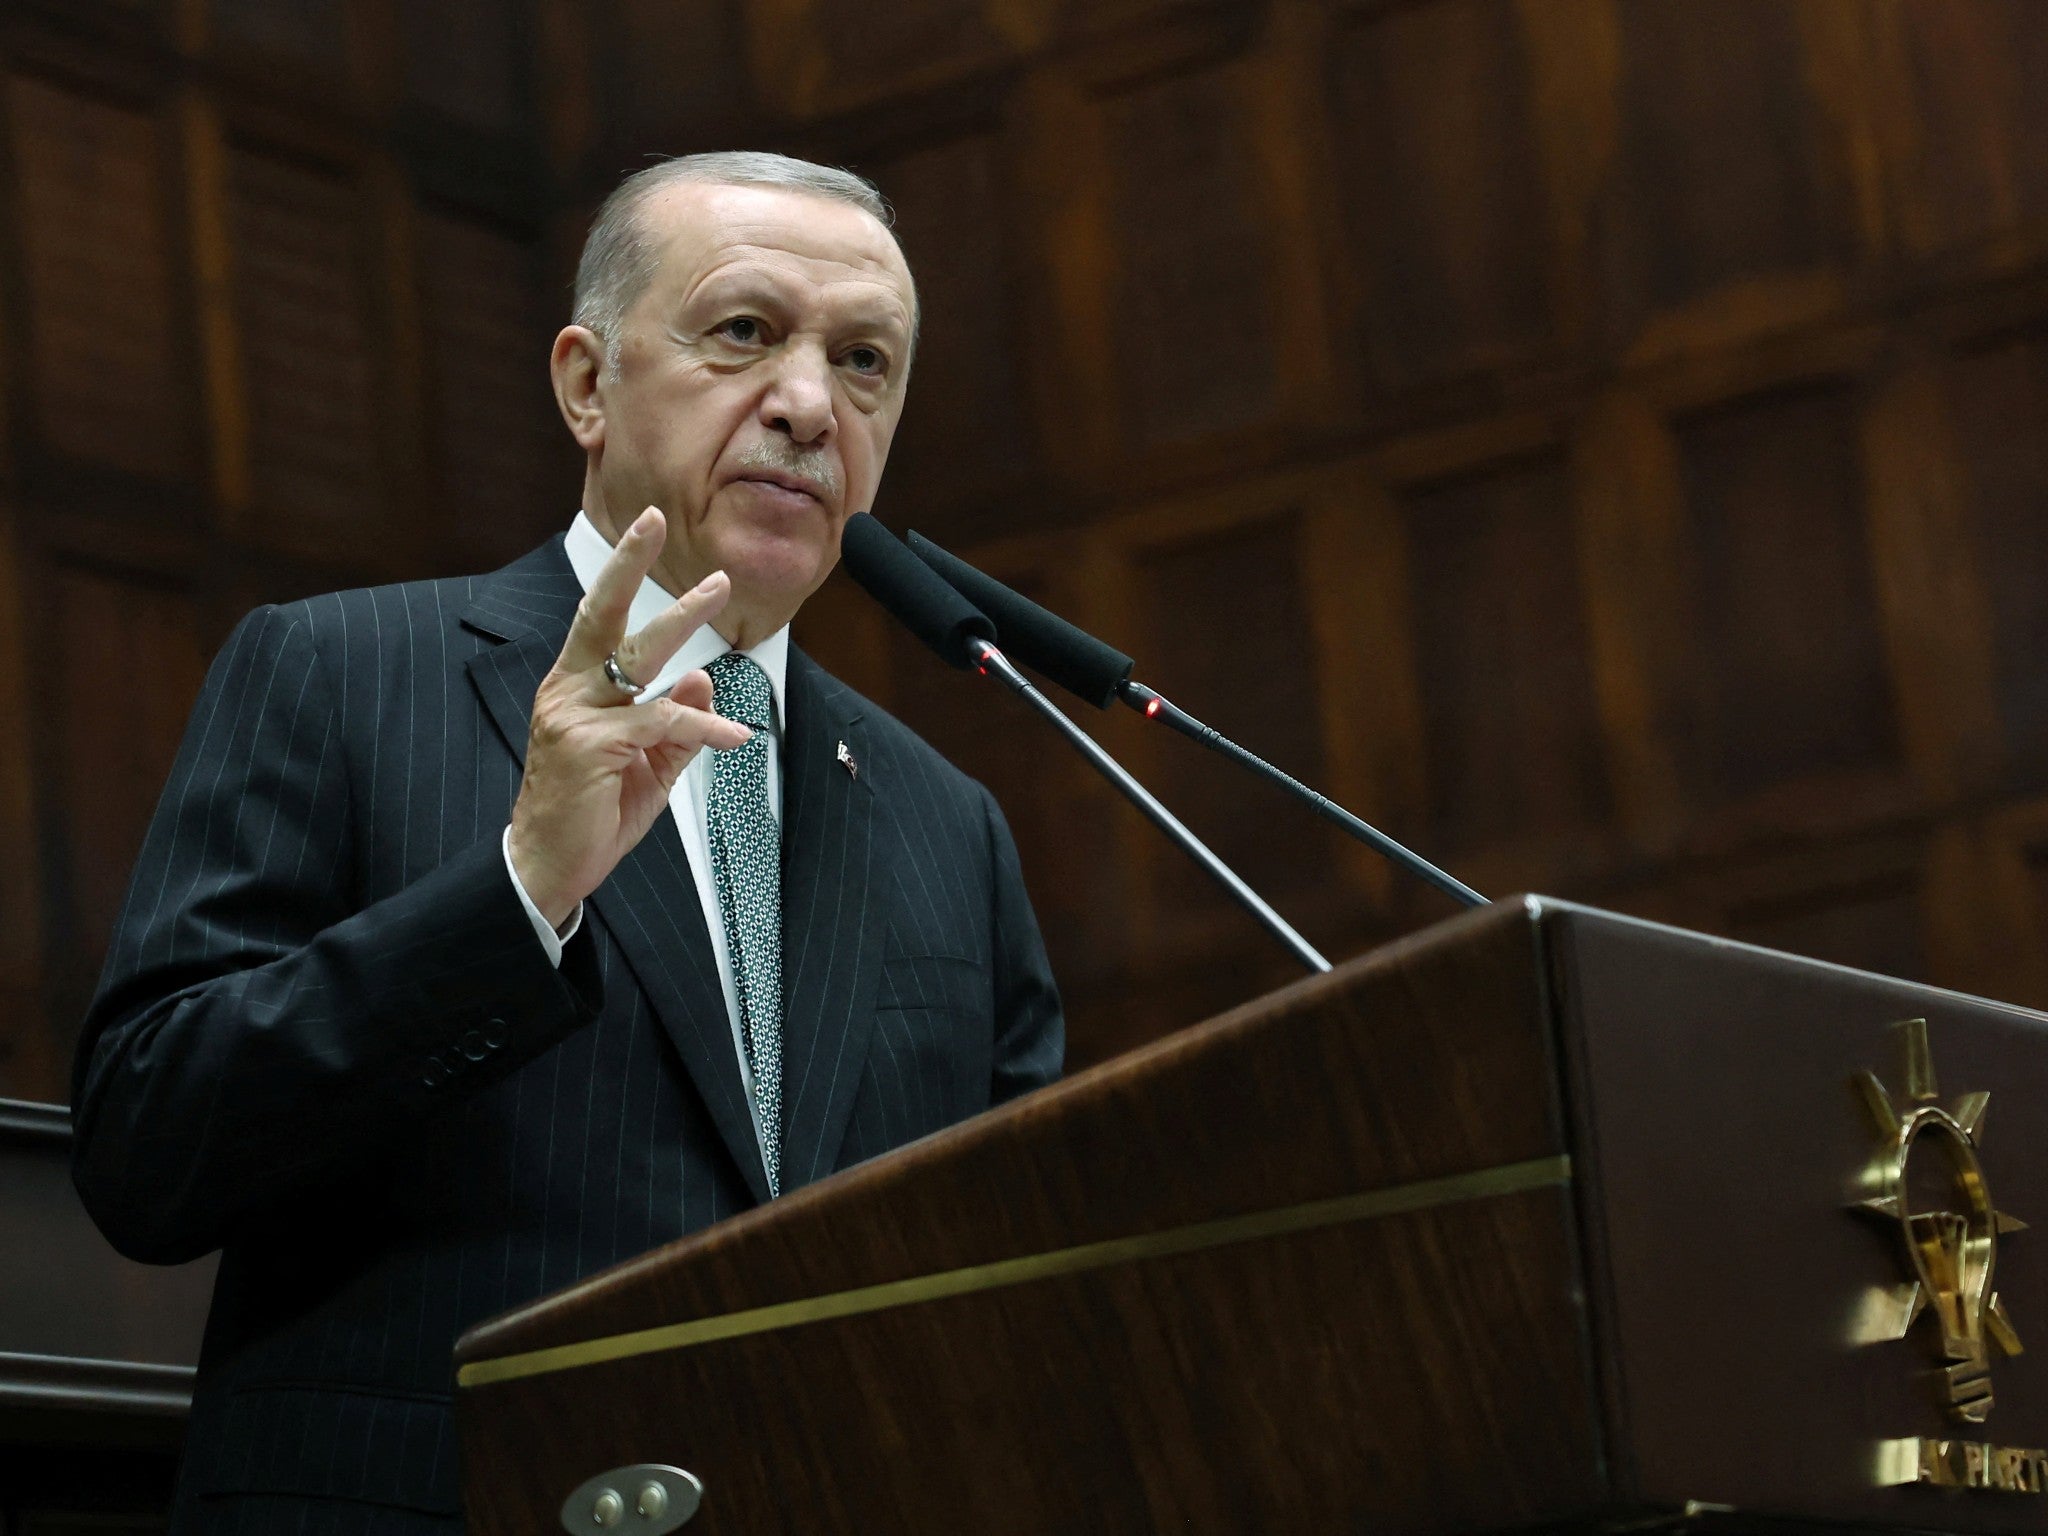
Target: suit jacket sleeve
[1031, 1036]
[259, 1027]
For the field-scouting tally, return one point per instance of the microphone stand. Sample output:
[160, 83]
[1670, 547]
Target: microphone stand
[1154, 705]
[990, 662]
[1077, 661]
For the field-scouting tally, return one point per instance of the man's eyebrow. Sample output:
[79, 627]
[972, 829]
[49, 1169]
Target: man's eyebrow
[877, 319]
[732, 286]
[737, 287]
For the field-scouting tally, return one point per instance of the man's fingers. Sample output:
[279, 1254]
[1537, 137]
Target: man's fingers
[693, 689]
[646, 651]
[668, 762]
[600, 622]
[663, 723]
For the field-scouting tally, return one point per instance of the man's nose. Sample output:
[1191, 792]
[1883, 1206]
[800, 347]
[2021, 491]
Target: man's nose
[799, 401]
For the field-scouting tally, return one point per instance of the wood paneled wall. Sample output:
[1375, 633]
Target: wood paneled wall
[276, 284]
[1602, 441]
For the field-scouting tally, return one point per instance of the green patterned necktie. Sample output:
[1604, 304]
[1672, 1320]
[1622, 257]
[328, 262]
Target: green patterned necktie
[746, 865]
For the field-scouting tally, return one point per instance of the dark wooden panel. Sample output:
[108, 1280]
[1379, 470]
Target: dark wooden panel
[113, 13]
[97, 255]
[463, 58]
[1510, 722]
[29, 1068]
[1999, 401]
[104, 769]
[870, 50]
[964, 440]
[508, 472]
[306, 350]
[1791, 666]
[1193, 316]
[1435, 135]
[679, 69]
[1726, 171]
[1977, 68]
[1873, 925]
[1084, 21]
[1228, 639]
[313, 34]
[2035, 861]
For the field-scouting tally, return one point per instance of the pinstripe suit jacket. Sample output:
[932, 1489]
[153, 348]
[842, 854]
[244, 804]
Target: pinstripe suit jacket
[328, 1043]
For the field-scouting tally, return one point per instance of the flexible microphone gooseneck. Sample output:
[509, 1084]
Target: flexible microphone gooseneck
[1099, 673]
[937, 613]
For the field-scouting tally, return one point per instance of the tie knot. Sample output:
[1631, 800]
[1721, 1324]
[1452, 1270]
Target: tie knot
[740, 691]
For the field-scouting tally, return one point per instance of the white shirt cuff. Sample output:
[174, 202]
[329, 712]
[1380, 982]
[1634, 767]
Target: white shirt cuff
[551, 940]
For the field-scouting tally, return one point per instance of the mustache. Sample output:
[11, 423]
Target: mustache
[812, 464]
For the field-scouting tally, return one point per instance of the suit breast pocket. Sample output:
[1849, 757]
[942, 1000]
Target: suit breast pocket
[945, 983]
[934, 1038]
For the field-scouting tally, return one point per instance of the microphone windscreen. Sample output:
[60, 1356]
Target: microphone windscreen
[922, 601]
[1039, 638]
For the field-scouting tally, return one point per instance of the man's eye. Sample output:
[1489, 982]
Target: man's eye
[866, 360]
[742, 328]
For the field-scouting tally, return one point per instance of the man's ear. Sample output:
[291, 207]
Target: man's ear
[577, 368]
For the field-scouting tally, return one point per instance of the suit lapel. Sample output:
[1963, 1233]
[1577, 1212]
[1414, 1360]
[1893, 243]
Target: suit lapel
[649, 905]
[834, 880]
[651, 908]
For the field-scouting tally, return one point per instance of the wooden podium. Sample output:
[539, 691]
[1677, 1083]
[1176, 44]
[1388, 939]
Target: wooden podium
[1540, 1218]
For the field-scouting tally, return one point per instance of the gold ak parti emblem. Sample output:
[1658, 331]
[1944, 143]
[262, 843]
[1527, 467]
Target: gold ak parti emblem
[1927, 1180]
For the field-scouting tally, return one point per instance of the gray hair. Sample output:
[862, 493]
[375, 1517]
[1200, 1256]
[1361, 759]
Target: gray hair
[619, 260]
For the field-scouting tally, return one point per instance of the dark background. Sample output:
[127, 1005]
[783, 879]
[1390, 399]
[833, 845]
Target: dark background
[1601, 441]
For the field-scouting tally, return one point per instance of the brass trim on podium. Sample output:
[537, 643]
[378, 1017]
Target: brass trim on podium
[1484, 1183]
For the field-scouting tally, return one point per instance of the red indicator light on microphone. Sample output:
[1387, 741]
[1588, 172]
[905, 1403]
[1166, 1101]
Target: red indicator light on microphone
[1152, 709]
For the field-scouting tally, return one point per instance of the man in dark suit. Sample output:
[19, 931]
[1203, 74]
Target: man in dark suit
[454, 970]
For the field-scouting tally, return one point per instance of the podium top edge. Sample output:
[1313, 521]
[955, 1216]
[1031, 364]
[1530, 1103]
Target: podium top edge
[1545, 910]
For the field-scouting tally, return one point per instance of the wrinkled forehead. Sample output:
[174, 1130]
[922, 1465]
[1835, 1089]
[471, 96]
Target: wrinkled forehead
[703, 230]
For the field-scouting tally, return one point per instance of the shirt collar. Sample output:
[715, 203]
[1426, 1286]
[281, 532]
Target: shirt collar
[588, 550]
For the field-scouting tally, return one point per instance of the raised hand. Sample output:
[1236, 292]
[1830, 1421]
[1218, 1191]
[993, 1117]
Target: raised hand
[599, 767]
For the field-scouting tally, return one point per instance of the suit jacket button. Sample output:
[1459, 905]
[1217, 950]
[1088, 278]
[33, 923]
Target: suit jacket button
[494, 1033]
[473, 1045]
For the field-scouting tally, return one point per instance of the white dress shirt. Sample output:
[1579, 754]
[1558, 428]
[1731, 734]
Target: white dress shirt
[588, 550]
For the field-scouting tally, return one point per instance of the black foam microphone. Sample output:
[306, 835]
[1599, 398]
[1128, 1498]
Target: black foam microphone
[1099, 673]
[930, 608]
[1042, 640]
